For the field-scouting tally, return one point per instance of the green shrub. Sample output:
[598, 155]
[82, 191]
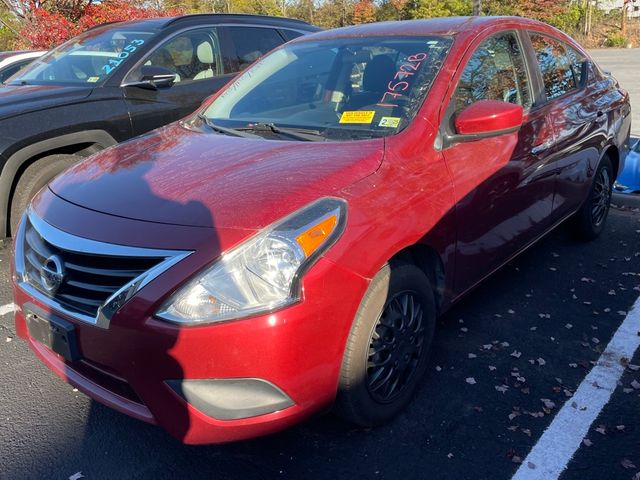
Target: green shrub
[616, 40]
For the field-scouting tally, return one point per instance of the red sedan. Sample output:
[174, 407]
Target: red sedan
[289, 247]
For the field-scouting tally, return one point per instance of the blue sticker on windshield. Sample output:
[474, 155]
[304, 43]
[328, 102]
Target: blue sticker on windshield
[122, 55]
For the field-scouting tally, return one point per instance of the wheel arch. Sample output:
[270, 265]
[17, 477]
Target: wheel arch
[427, 259]
[79, 143]
[614, 155]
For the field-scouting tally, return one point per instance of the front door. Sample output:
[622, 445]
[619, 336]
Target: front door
[504, 185]
[195, 56]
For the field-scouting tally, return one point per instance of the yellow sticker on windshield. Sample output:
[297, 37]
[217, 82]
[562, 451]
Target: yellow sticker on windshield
[364, 116]
[93, 79]
[391, 122]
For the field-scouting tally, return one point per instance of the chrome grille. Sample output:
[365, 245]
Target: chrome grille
[89, 280]
[86, 279]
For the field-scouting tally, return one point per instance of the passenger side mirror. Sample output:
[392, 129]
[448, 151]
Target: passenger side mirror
[485, 119]
[154, 77]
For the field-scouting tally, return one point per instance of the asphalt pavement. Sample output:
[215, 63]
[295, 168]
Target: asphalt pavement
[506, 360]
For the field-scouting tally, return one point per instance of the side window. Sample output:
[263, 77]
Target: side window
[192, 56]
[496, 71]
[577, 65]
[555, 65]
[13, 69]
[251, 43]
[290, 34]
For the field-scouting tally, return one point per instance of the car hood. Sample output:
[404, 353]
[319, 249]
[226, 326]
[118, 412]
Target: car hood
[19, 99]
[183, 177]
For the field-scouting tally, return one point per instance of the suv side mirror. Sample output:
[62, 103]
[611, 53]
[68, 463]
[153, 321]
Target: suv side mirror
[153, 78]
[485, 119]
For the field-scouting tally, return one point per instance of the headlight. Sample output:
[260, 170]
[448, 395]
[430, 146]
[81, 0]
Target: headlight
[263, 273]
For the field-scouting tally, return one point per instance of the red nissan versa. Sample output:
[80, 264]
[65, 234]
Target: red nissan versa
[290, 245]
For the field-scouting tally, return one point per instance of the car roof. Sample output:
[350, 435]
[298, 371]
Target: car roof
[165, 22]
[430, 26]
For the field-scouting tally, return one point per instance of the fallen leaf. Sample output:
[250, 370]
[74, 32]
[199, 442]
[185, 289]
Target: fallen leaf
[513, 415]
[548, 403]
[635, 384]
[487, 346]
[541, 362]
[76, 476]
[472, 355]
[595, 340]
[502, 388]
[492, 368]
[601, 430]
[438, 368]
[633, 367]
[516, 354]
[573, 365]
[587, 442]
[626, 463]
[568, 326]
[620, 428]
[516, 459]
[622, 312]
[587, 280]
[526, 431]
[449, 455]
[464, 329]
[470, 380]
[511, 311]
[505, 344]
[533, 329]
[611, 292]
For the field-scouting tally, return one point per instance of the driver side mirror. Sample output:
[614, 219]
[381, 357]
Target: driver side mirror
[153, 78]
[486, 119]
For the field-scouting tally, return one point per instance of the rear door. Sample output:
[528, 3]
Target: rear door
[504, 185]
[195, 56]
[578, 116]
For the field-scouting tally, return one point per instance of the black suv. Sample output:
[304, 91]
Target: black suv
[114, 82]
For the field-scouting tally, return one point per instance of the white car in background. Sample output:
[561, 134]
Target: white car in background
[12, 62]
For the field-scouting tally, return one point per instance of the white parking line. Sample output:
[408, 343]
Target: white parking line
[8, 308]
[553, 451]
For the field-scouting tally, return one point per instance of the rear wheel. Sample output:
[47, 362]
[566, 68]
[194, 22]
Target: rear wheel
[387, 350]
[36, 176]
[588, 222]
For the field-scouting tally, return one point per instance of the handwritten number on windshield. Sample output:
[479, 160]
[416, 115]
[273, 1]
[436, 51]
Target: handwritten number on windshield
[123, 55]
[406, 70]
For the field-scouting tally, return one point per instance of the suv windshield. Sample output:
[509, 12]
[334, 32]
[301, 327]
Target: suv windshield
[88, 58]
[346, 88]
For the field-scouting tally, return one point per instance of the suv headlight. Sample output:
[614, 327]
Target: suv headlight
[262, 274]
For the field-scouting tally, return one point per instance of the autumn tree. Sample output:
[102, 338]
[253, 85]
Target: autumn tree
[364, 12]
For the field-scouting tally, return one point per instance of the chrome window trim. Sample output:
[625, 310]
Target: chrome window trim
[72, 243]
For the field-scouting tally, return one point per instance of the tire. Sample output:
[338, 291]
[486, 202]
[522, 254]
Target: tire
[36, 176]
[588, 222]
[364, 397]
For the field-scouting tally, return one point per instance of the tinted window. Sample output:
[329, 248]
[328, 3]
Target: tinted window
[555, 66]
[495, 71]
[192, 56]
[290, 34]
[251, 43]
[577, 64]
[13, 69]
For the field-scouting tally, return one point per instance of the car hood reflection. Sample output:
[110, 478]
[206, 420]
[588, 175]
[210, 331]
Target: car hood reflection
[182, 177]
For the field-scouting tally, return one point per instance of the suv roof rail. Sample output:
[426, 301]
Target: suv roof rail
[235, 15]
[102, 25]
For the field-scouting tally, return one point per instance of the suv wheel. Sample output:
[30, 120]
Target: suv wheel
[36, 176]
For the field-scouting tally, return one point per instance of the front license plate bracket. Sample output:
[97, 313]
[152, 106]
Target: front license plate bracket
[53, 332]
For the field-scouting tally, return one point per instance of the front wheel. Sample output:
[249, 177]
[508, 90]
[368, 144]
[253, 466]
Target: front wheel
[588, 222]
[387, 349]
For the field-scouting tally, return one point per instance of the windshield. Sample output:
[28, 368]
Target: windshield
[89, 58]
[347, 88]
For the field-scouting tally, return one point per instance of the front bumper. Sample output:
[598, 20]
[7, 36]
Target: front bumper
[284, 366]
[134, 369]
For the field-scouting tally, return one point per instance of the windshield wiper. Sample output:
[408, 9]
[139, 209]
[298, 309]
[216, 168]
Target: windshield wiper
[297, 133]
[227, 131]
